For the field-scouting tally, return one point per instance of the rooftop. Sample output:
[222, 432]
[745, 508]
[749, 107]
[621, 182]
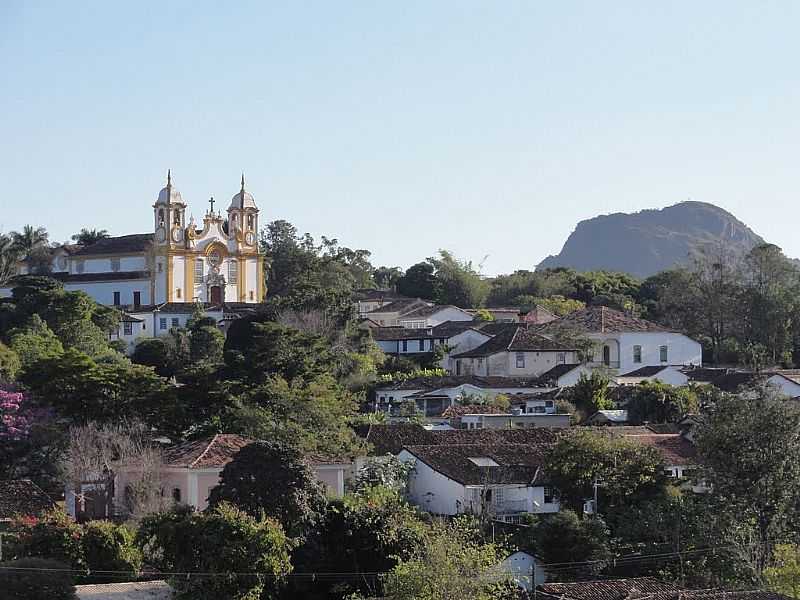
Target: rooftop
[451, 381]
[22, 497]
[213, 452]
[123, 244]
[614, 589]
[601, 319]
[521, 338]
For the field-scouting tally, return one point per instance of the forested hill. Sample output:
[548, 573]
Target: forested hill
[651, 241]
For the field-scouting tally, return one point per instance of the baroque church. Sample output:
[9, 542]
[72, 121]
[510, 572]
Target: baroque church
[158, 278]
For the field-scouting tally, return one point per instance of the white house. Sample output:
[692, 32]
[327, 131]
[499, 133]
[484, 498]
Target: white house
[524, 569]
[514, 352]
[431, 316]
[388, 315]
[501, 481]
[456, 336]
[665, 374]
[515, 419]
[624, 343]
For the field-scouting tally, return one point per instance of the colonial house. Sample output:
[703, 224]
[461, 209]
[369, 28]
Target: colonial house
[388, 315]
[514, 352]
[400, 341]
[508, 420]
[367, 300]
[503, 482]
[431, 316]
[434, 394]
[624, 343]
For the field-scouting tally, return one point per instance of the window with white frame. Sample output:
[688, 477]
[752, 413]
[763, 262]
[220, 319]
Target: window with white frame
[115, 264]
[162, 323]
[127, 328]
[637, 354]
[562, 358]
[233, 271]
[663, 353]
[176, 322]
[198, 270]
[422, 345]
[520, 360]
[550, 495]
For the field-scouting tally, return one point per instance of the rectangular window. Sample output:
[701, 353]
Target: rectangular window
[115, 264]
[520, 360]
[137, 298]
[127, 328]
[549, 495]
[176, 322]
[198, 270]
[422, 345]
[458, 367]
[177, 292]
[637, 354]
[233, 271]
[663, 352]
[79, 266]
[162, 323]
[562, 358]
[116, 298]
[405, 345]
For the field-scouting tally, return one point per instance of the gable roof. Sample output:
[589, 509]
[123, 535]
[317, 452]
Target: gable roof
[648, 371]
[517, 463]
[391, 438]
[519, 339]
[427, 311]
[601, 319]
[208, 453]
[674, 448]
[22, 497]
[402, 306]
[452, 381]
[123, 244]
[557, 372]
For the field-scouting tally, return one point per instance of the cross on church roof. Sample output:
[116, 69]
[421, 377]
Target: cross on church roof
[211, 202]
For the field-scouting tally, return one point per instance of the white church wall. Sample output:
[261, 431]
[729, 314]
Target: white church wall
[178, 280]
[104, 264]
[103, 291]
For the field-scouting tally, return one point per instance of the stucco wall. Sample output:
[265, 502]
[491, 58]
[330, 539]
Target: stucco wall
[431, 490]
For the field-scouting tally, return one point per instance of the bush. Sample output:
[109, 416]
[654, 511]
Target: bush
[55, 536]
[54, 583]
[110, 547]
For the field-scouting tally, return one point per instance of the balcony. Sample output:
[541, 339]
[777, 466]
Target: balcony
[508, 507]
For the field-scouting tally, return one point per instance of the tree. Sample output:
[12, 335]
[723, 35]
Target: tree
[107, 546]
[657, 402]
[87, 237]
[590, 393]
[153, 352]
[274, 480]
[418, 282]
[34, 342]
[483, 316]
[563, 538]
[451, 564]
[248, 558]
[386, 278]
[206, 341]
[10, 364]
[783, 576]
[386, 472]
[458, 282]
[628, 471]
[749, 445]
[8, 259]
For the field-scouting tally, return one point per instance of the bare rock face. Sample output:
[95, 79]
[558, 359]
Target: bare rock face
[650, 241]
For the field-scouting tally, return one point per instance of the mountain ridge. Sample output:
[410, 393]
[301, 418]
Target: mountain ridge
[651, 240]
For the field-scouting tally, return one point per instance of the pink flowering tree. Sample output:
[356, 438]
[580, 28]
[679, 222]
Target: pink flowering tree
[18, 416]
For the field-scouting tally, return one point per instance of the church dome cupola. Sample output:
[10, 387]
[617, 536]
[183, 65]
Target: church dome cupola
[169, 194]
[243, 199]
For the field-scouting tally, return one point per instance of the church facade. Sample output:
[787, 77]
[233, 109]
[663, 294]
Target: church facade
[159, 277]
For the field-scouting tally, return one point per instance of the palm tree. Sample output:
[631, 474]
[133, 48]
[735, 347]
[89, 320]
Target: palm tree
[29, 239]
[8, 258]
[87, 237]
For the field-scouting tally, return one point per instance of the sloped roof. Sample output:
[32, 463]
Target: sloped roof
[402, 306]
[648, 371]
[401, 333]
[457, 410]
[139, 590]
[123, 244]
[213, 452]
[519, 339]
[22, 497]
[673, 447]
[391, 438]
[65, 277]
[517, 463]
[426, 311]
[613, 589]
[705, 374]
[451, 381]
[601, 319]
[558, 372]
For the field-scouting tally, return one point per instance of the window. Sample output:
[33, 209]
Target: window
[160, 267]
[663, 352]
[442, 341]
[79, 266]
[177, 217]
[116, 298]
[520, 360]
[198, 270]
[562, 358]
[498, 497]
[233, 272]
[115, 264]
[137, 298]
[540, 410]
[251, 222]
[458, 367]
[480, 363]
[162, 323]
[405, 345]
[637, 354]
[548, 403]
[607, 355]
[251, 295]
[176, 494]
[127, 328]
[422, 345]
[176, 322]
[177, 292]
[550, 495]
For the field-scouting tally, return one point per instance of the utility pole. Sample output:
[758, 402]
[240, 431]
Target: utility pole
[597, 483]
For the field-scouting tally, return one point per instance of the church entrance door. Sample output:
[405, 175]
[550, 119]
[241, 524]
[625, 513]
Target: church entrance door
[216, 294]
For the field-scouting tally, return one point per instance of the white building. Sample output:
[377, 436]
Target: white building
[624, 343]
[431, 316]
[503, 482]
[455, 335]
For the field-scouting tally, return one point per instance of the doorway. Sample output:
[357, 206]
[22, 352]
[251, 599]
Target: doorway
[216, 294]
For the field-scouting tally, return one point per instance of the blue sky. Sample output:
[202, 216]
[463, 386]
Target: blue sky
[486, 128]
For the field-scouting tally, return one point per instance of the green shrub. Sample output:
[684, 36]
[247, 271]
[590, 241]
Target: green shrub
[37, 579]
[110, 547]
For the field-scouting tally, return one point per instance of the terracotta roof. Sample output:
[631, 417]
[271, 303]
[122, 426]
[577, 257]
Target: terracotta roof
[426, 311]
[140, 590]
[613, 589]
[188, 307]
[22, 497]
[674, 448]
[717, 595]
[731, 382]
[213, 452]
[601, 319]
[390, 438]
[126, 318]
[124, 244]
[705, 374]
[516, 463]
[450, 381]
[401, 333]
[648, 371]
[458, 410]
[402, 306]
[520, 339]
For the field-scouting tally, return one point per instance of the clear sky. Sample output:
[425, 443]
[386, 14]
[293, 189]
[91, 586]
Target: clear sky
[488, 128]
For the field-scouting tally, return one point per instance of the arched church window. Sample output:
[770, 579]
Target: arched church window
[161, 216]
[177, 217]
[250, 222]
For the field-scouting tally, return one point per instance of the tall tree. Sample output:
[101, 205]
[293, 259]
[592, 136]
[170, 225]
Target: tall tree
[459, 282]
[418, 282]
[87, 237]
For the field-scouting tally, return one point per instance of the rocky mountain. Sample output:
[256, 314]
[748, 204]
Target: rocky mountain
[650, 241]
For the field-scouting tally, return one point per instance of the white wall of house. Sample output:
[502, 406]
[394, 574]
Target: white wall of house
[786, 385]
[449, 313]
[681, 350]
[432, 491]
[88, 264]
[670, 375]
[525, 570]
[103, 291]
[505, 363]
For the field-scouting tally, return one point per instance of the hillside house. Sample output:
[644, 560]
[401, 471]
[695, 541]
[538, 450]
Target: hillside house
[431, 316]
[388, 315]
[514, 352]
[454, 335]
[624, 343]
[504, 482]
